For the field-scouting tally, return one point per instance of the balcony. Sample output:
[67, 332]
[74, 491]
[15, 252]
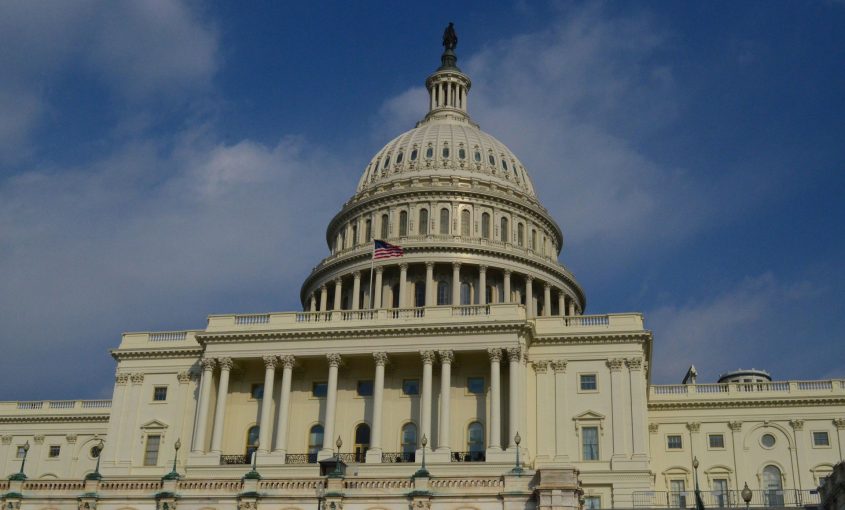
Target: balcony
[744, 391]
[727, 499]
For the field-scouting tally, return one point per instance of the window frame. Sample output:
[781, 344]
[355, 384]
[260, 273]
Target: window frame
[710, 441]
[813, 438]
[314, 387]
[156, 389]
[416, 380]
[148, 451]
[593, 497]
[58, 450]
[581, 388]
[669, 439]
[582, 443]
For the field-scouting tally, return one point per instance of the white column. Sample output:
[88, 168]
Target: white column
[514, 355]
[430, 287]
[446, 358]
[356, 289]
[562, 422]
[839, 423]
[284, 404]
[547, 300]
[495, 441]
[618, 407]
[266, 404]
[529, 296]
[561, 302]
[200, 426]
[639, 408]
[425, 401]
[324, 298]
[338, 293]
[403, 285]
[378, 399]
[482, 285]
[507, 287]
[220, 410]
[331, 405]
[377, 291]
[456, 284]
[313, 303]
[571, 311]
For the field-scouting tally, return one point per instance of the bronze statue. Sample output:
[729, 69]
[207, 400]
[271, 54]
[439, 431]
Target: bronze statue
[450, 38]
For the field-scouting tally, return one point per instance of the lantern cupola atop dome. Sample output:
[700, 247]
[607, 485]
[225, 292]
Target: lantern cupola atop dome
[448, 86]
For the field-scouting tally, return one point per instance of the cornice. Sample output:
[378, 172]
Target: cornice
[54, 418]
[156, 353]
[644, 336]
[743, 403]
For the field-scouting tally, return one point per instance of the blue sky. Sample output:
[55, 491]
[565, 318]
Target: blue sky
[160, 161]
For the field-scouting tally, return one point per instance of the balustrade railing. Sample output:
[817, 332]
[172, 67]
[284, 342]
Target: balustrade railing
[469, 310]
[477, 456]
[301, 458]
[406, 313]
[62, 404]
[253, 318]
[226, 460]
[746, 387]
[167, 336]
[726, 499]
[586, 320]
[397, 457]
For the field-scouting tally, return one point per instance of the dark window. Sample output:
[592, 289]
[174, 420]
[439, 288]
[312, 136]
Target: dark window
[465, 294]
[429, 153]
[423, 221]
[160, 393]
[399, 158]
[54, 451]
[409, 438]
[465, 223]
[256, 391]
[362, 442]
[354, 234]
[505, 231]
[369, 227]
[475, 385]
[504, 164]
[491, 159]
[445, 152]
[477, 157]
[251, 441]
[365, 388]
[410, 386]
[151, 450]
[403, 223]
[520, 234]
[443, 293]
[674, 442]
[385, 226]
[588, 382]
[319, 389]
[717, 441]
[462, 153]
[315, 442]
[821, 439]
[590, 443]
[444, 221]
[485, 226]
[414, 155]
[395, 292]
[419, 294]
[475, 437]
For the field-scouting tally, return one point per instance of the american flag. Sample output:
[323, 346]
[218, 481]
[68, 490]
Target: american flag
[383, 250]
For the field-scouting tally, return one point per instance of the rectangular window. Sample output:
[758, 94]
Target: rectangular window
[678, 493]
[365, 388]
[717, 441]
[160, 393]
[588, 382]
[54, 451]
[592, 502]
[720, 492]
[674, 442]
[256, 391]
[475, 385]
[151, 450]
[21, 452]
[319, 389]
[410, 386]
[590, 438]
[821, 439]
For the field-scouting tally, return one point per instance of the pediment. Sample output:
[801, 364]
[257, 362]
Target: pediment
[154, 425]
[589, 415]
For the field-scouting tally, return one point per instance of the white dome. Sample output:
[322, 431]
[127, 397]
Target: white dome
[447, 147]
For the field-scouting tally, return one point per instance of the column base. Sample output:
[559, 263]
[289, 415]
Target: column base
[276, 458]
[203, 459]
[373, 456]
[324, 454]
[499, 455]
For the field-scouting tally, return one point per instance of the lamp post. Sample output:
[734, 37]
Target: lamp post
[517, 470]
[422, 471]
[699, 504]
[746, 495]
[253, 475]
[337, 473]
[19, 475]
[97, 450]
[173, 475]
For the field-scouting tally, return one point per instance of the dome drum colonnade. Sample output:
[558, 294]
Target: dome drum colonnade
[463, 208]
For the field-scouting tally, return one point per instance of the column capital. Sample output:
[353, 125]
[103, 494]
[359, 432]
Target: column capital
[208, 363]
[694, 426]
[429, 264]
[839, 423]
[380, 358]
[323, 287]
[514, 353]
[333, 359]
[735, 426]
[225, 363]
[507, 272]
[541, 366]
[495, 354]
[338, 281]
[456, 265]
[796, 424]
[559, 365]
[184, 377]
[403, 266]
[547, 285]
[615, 364]
[529, 278]
[427, 357]
[287, 360]
[137, 378]
[634, 363]
[446, 357]
[482, 269]
[121, 379]
[379, 269]
[270, 361]
[356, 275]
[652, 427]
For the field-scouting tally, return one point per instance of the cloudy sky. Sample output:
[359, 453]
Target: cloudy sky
[160, 161]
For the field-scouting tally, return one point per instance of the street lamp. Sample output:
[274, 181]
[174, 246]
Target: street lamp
[517, 470]
[97, 450]
[252, 475]
[746, 495]
[19, 475]
[337, 473]
[422, 471]
[173, 475]
[699, 504]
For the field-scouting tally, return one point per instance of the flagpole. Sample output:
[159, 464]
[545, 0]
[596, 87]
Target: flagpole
[372, 265]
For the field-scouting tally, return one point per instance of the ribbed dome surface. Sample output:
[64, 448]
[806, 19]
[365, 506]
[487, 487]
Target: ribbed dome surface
[446, 147]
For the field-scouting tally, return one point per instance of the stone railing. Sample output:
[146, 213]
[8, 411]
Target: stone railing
[589, 323]
[52, 406]
[130, 485]
[168, 336]
[204, 486]
[54, 485]
[745, 390]
[378, 483]
[726, 499]
[181, 338]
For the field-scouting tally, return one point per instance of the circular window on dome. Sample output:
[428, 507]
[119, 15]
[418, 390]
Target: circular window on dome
[429, 153]
[477, 157]
[446, 152]
[414, 154]
[767, 440]
[399, 158]
[462, 153]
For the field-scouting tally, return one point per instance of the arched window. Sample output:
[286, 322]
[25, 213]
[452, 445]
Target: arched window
[394, 290]
[475, 441]
[419, 294]
[403, 223]
[485, 226]
[443, 292]
[414, 154]
[315, 442]
[423, 221]
[369, 229]
[772, 486]
[399, 158]
[409, 441]
[465, 294]
[385, 226]
[251, 442]
[445, 151]
[505, 231]
[429, 152]
[465, 223]
[520, 234]
[477, 157]
[533, 239]
[362, 442]
[462, 153]
[444, 221]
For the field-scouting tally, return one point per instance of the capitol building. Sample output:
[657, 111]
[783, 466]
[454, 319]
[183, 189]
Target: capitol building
[460, 371]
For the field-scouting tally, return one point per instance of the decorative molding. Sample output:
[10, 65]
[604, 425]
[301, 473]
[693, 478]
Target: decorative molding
[514, 353]
[121, 379]
[334, 359]
[559, 365]
[839, 423]
[732, 404]
[615, 364]
[652, 427]
[185, 377]
[137, 378]
[694, 427]
[208, 363]
[87, 504]
[157, 353]
[287, 360]
[735, 426]
[427, 357]
[166, 503]
[495, 354]
[247, 504]
[70, 438]
[381, 358]
[796, 424]
[84, 418]
[270, 361]
[38, 438]
[634, 363]
[446, 357]
[7, 439]
[225, 363]
[541, 366]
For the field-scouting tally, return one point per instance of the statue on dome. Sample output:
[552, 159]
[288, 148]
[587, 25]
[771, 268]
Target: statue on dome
[450, 38]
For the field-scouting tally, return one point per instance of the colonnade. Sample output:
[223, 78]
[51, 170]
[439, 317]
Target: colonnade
[566, 304]
[278, 443]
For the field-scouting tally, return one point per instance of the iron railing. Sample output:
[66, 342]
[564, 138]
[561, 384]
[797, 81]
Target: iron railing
[301, 458]
[477, 456]
[226, 460]
[727, 499]
[396, 457]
